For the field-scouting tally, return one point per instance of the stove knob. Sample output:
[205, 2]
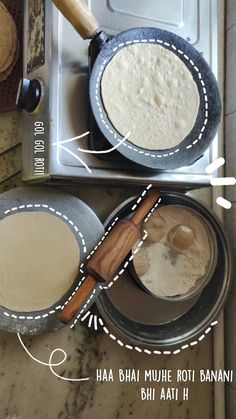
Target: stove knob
[29, 94]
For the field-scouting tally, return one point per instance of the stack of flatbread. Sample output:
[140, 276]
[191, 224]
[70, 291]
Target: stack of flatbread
[9, 45]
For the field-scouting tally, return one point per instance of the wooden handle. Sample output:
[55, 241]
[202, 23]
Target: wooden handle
[79, 299]
[105, 262]
[146, 206]
[78, 14]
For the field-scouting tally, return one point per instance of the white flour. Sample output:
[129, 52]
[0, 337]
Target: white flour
[167, 272]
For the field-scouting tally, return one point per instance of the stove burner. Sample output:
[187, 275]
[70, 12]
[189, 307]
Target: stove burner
[65, 111]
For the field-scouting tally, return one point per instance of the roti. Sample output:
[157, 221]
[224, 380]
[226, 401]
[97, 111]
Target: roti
[8, 38]
[148, 91]
[6, 73]
[39, 261]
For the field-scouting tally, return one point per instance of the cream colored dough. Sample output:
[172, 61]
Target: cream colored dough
[8, 39]
[148, 91]
[39, 261]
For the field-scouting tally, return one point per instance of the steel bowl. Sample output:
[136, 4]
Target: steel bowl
[129, 312]
[201, 282]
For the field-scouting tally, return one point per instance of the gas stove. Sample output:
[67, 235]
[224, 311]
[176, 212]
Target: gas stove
[54, 90]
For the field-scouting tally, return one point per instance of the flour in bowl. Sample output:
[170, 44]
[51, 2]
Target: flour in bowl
[174, 263]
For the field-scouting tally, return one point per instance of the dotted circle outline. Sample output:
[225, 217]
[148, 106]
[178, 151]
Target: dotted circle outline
[61, 307]
[156, 352]
[105, 329]
[18, 209]
[94, 320]
[180, 53]
[126, 263]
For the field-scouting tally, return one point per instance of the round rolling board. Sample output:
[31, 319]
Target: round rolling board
[149, 322]
[83, 223]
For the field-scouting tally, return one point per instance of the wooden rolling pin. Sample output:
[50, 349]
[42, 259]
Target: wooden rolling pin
[105, 262]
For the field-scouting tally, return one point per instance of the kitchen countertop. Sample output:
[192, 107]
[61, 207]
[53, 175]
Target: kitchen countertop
[10, 150]
[10, 131]
[31, 390]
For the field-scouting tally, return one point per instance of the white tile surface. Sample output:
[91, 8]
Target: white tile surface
[230, 70]
[230, 13]
[230, 402]
[230, 153]
[231, 232]
[230, 142]
[230, 345]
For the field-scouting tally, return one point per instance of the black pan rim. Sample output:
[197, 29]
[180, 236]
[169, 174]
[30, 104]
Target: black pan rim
[199, 139]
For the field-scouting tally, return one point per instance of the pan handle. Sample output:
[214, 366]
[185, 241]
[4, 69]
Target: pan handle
[78, 14]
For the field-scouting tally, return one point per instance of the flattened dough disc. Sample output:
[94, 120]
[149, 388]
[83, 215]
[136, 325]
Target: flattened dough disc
[39, 261]
[47, 199]
[8, 38]
[148, 91]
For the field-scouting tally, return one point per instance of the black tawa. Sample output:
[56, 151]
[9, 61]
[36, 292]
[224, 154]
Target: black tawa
[102, 50]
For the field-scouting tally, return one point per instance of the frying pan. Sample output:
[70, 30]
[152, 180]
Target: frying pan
[105, 48]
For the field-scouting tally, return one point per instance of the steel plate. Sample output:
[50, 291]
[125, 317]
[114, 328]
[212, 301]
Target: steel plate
[83, 218]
